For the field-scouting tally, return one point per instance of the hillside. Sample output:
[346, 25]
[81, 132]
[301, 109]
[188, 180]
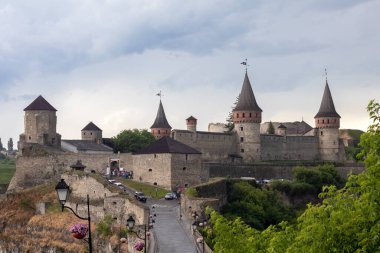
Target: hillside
[24, 231]
[351, 137]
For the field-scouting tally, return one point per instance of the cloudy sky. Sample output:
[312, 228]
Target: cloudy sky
[104, 60]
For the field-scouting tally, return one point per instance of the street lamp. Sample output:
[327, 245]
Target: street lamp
[63, 191]
[130, 225]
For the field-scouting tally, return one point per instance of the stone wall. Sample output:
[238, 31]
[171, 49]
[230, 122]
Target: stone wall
[213, 146]
[39, 169]
[105, 199]
[275, 147]
[169, 171]
[270, 170]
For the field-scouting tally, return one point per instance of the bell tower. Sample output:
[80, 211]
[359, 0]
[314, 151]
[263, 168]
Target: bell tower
[160, 126]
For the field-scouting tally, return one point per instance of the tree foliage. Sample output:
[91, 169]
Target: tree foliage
[10, 144]
[1, 145]
[347, 220]
[132, 140]
[270, 128]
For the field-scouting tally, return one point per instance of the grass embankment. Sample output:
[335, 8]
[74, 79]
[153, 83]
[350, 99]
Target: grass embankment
[7, 169]
[149, 190]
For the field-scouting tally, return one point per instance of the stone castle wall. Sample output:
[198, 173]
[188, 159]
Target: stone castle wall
[103, 200]
[214, 146]
[275, 147]
[39, 169]
[169, 171]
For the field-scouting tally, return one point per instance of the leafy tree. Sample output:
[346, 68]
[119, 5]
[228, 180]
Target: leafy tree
[1, 145]
[132, 140]
[270, 128]
[10, 144]
[229, 121]
[347, 220]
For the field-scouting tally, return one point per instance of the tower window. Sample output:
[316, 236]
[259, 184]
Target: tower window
[159, 131]
[318, 121]
[241, 128]
[243, 114]
[241, 139]
[237, 115]
[184, 168]
[155, 156]
[323, 121]
[250, 115]
[155, 183]
[242, 150]
[186, 156]
[30, 138]
[150, 170]
[328, 121]
[91, 133]
[84, 133]
[321, 132]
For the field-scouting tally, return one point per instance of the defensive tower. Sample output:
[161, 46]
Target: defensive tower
[91, 132]
[40, 124]
[327, 122]
[160, 126]
[191, 123]
[247, 119]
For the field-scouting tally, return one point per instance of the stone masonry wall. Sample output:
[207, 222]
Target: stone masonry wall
[214, 146]
[153, 168]
[35, 170]
[275, 147]
[186, 170]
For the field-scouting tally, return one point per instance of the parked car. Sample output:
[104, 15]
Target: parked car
[111, 181]
[171, 195]
[140, 196]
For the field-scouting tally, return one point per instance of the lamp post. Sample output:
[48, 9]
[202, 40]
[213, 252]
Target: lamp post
[63, 191]
[130, 225]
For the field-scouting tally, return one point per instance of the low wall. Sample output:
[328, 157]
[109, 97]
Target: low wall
[270, 170]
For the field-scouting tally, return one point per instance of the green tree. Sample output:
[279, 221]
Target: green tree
[270, 128]
[132, 140]
[1, 145]
[10, 144]
[230, 119]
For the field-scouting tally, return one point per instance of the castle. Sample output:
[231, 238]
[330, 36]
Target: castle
[247, 143]
[180, 158]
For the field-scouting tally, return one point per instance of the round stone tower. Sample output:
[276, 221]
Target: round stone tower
[327, 122]
[160, 126]
[191, 123]
[40, 124]
[247, 119]
[92, 133]
[281, 130]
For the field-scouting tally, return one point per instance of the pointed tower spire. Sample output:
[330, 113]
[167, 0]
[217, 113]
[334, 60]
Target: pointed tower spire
[327, 117]
[246, 100]
[160, 126]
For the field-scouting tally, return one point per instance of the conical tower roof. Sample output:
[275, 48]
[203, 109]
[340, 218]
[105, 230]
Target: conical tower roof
[327, 108]
[40, 104]
[161, 121]
[246, 100]
[91, 127]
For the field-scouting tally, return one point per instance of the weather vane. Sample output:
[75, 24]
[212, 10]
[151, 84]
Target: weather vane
[245, 63]
[326, 73]
[159, 94]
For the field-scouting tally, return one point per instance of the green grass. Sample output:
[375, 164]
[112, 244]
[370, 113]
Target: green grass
[149, 190]
[7, 169]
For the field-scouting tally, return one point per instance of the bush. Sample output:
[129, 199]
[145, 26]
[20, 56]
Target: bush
[104, 227]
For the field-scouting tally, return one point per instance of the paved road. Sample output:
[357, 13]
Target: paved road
[172, 236]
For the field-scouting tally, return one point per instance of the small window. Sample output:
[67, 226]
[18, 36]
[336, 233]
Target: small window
[186, 156]
[241, 139]
[30, 138]
[91, 133]
[242, 150]
[150, 170]
[334, 142]
[243, 114]
[318, 121]
[328, 121]
[159, 131]
[335, 120]
[257, 115]
[53, 140]
[155, 183]
[237, 115]
[184, 168]
[241, 128]
[114, 203]
[321, 132]
[323, 121]
[166, 131]
[155, 155]
[250, 114]
[84, 133]
[186, 185]
[321, 142]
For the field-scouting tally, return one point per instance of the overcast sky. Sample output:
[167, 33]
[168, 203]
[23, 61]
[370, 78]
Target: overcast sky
[104, 60]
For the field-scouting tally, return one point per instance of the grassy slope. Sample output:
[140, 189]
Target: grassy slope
[7, 169]
[149, 190]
